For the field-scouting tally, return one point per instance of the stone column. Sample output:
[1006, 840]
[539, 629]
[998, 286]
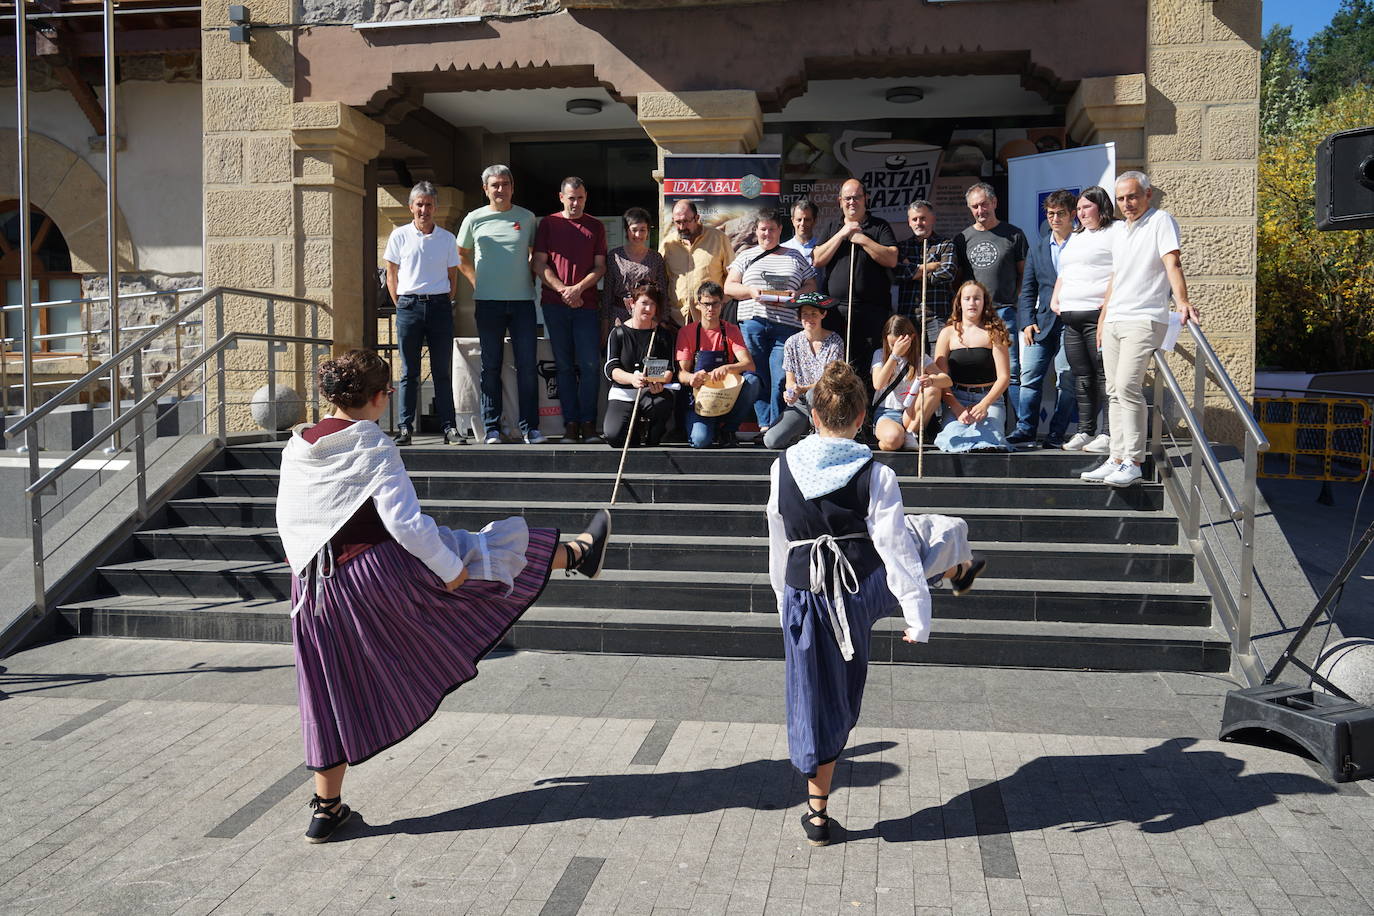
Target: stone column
[332, 142]
[246, 93]
[1111, 109]
[1202, 143]
[716, 121]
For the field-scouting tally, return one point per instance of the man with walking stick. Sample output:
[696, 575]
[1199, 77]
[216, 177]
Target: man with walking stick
[858, 252]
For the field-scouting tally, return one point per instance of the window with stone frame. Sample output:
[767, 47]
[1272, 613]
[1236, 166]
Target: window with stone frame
[52, 281]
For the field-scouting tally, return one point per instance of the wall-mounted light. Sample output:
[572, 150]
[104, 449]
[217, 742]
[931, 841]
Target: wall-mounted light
[584, 107]
[239, 31]
[904, 95]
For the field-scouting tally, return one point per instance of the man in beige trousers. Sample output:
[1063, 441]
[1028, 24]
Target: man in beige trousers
[1146, 272]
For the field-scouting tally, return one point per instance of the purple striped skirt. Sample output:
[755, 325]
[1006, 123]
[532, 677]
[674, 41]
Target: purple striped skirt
[387, 642]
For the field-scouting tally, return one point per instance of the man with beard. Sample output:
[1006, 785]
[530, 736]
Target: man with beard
[693, 254]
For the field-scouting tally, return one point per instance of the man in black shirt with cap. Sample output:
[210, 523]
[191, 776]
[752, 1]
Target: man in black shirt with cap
[873, 246]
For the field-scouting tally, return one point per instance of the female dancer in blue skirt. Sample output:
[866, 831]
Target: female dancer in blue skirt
[842, 555]
[390, 612]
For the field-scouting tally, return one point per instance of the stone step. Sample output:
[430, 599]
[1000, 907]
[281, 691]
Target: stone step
[1035, 525]
[598, 459]
[932, 493]
[727, 554]
[953, 641]
[714, 591]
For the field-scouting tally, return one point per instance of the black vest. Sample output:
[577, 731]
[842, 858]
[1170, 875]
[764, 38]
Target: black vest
[843, 511]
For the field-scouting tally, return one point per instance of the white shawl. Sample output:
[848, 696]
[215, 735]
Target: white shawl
[324, 483]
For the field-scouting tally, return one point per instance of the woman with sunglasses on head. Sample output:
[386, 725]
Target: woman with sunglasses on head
[390, 612]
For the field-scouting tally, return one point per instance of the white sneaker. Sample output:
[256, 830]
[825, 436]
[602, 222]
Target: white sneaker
[535, 437]
[911, 443]
[1127, 474]
[1102, 445]
[493, 438]
[1077, 442]
[1102, 471]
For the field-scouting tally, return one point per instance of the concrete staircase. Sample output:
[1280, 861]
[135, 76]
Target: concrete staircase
[1080, 575]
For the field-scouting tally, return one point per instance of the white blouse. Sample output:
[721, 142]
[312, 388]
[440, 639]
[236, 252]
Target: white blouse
[1085, 268]
[891, 538]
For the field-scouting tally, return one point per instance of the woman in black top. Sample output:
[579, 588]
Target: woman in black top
[629, 345]
[974, 350]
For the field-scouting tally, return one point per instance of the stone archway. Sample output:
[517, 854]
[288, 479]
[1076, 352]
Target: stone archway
[68, 189]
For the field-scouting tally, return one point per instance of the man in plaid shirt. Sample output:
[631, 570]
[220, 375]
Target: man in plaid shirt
[939, 270]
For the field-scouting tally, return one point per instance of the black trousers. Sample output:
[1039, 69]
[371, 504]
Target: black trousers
[651, 421]
[1089, 379]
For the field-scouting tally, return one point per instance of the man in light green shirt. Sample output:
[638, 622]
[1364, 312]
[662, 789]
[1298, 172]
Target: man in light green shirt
[494, 243]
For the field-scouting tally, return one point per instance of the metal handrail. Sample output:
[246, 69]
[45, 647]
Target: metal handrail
[227, 342]
[1234, 606]
[72, 391]
[1228, 387]
[91, 300]
[142, 403]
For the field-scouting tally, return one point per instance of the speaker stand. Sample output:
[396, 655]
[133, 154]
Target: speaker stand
[1331, 727]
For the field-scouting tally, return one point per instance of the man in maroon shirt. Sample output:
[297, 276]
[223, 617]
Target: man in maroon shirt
[570, 257]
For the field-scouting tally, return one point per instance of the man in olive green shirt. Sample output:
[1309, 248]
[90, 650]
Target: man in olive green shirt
[693, 254]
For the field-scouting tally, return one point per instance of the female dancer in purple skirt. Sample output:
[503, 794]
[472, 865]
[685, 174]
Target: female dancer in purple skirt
[390, 612]
[842, 556]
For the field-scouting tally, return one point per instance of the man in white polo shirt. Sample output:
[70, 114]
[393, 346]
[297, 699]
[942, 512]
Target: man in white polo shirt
[1146, 272]
[422, 277]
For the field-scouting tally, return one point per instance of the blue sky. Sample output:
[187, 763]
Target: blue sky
[1305, 16]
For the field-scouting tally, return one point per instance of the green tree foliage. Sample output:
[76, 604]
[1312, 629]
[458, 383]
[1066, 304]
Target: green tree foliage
[1315, 290]
[1342, 54]
[1284, 97]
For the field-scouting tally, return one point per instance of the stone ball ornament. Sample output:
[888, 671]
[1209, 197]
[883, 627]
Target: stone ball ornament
[282, 413]
[1349, 664]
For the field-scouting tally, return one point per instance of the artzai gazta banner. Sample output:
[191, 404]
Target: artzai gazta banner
[728, 191]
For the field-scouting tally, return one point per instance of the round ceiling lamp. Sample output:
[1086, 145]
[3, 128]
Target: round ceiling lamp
[905, 95]
[584, 106]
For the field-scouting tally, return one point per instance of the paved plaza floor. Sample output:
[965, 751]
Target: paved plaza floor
[165, 777]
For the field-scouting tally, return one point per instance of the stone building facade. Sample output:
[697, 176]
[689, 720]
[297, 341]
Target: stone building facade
[311, 133]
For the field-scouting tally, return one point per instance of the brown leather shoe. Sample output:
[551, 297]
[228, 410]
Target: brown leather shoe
[572, 432]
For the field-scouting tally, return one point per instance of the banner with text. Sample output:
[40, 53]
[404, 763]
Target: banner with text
[728, 191]
[1030, 179]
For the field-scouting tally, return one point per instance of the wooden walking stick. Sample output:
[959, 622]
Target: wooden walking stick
[630, 427]
[849, 314]
[921, 370]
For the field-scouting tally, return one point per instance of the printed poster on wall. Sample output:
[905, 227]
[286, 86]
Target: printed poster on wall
[900, 161]
[728, 191]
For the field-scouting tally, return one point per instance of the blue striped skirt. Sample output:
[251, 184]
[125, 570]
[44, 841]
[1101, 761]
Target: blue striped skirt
[825, 692]
[387, 642]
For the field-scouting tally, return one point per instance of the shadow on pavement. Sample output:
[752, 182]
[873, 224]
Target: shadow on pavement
[1162, 790]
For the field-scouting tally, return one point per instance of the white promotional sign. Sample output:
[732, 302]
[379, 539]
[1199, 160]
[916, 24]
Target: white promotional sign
[1030, 179]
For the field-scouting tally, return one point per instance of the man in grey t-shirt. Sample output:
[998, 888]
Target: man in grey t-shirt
[994, 253]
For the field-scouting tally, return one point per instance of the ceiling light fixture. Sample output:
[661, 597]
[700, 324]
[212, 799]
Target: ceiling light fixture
[905, 95]
[584, 106]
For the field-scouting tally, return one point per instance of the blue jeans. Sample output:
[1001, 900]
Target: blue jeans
[426, 321]
[575, 338]
[494, 318]
[1039, 358]
[765, 339]
[701, 431]
[1013, 396]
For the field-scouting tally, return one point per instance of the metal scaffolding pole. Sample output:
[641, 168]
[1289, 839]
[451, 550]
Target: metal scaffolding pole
[21, 52]
[21, 69]
[111, 210]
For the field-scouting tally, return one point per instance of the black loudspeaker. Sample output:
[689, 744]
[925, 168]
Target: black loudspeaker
[1345, 180]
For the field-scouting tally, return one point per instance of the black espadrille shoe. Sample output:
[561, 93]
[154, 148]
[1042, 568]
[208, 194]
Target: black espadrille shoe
[585, 558]
[816, 834]
[964, 580]
[329, 815]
